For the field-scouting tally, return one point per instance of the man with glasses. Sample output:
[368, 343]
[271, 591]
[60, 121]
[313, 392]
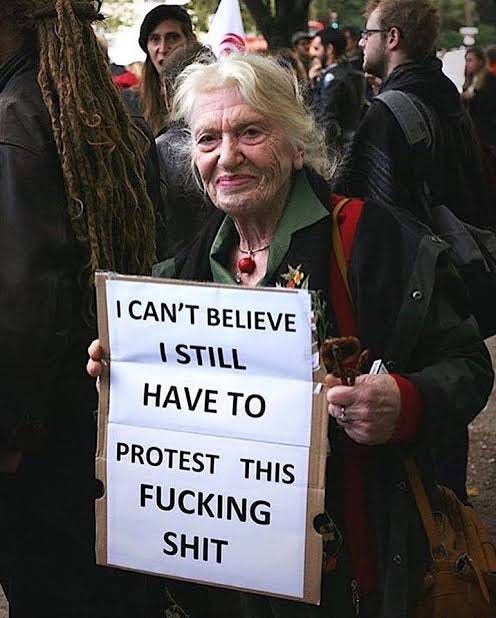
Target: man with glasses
[398, 43]
[392, 165]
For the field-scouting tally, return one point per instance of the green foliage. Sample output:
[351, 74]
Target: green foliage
[452, 14]
[487, 35]
[201, 10]
[449, 39]
[350, 12]
[118, 14]
[454, 17]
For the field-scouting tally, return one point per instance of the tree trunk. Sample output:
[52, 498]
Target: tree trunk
[277, 28]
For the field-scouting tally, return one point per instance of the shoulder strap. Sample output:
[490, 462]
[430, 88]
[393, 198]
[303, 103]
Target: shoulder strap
[417, 123]
[405, 108]
[337, 244]
[344, 225]
[423, 506]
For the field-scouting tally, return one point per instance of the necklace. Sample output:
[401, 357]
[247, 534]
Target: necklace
[247, 265]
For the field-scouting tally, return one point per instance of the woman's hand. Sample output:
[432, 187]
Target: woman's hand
[369, 410]
[94, 366]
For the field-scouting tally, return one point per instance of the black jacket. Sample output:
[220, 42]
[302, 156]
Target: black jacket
[45, 394]
[429, 337]
[339, 99]
[40, 260]
[186, 206]
[381, 164]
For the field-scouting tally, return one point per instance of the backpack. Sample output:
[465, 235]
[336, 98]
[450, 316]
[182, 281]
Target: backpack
[473, 249]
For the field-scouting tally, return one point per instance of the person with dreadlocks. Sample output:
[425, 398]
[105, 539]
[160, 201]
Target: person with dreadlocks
[73, 199]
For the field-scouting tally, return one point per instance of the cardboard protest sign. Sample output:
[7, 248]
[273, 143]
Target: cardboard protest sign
[212, 435]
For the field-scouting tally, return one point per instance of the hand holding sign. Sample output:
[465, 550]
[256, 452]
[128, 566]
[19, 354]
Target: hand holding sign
[94, 366]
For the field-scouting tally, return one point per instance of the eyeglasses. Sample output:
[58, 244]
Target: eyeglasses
[366, 32]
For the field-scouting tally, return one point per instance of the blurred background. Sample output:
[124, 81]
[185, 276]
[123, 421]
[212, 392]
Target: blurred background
[268, 22]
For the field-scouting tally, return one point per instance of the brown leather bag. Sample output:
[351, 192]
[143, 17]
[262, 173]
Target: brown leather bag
[461, 580]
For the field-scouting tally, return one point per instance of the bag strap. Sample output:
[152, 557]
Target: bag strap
[337, 244]
[424, 506]
[417, 123]
[408, 115]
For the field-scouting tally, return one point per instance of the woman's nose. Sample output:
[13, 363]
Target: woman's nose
[230, 155]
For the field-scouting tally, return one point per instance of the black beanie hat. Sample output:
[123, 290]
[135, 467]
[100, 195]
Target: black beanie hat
[160, 13]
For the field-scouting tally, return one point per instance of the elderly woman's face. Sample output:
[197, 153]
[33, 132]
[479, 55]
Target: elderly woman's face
[244, 159]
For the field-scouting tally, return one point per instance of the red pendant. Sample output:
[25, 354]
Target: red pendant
[247, 265]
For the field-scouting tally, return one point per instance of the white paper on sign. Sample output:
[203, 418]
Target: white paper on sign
[236, 518]
[209, 433]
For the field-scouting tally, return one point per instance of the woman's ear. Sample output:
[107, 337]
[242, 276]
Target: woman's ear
[298, 159]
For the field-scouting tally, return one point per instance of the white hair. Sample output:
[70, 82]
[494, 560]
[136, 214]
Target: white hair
[269, 88]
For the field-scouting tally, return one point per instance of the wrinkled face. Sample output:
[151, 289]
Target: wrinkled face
[244, 159]
[317, 49]
[374, 47]
[164, 38]
[472, 64]
[302, 48]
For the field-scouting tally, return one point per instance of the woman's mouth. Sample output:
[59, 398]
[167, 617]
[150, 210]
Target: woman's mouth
[234, 181]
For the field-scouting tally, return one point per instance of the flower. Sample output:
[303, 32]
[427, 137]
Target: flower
[295, 278]
[298, 278]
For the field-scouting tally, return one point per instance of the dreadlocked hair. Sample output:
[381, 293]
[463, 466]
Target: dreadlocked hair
[102, 152]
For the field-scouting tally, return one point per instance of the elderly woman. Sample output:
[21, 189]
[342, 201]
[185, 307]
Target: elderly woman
[257, 154]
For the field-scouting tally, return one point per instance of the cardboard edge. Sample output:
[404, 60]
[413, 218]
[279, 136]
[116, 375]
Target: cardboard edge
[103, 412]
[316, 496]
[108, 275]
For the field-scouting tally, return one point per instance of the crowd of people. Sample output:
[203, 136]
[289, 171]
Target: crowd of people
[227, 170]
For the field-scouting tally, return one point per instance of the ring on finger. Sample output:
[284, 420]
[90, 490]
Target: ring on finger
[342, 414]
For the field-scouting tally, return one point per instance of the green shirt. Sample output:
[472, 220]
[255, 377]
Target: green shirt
[303, 209]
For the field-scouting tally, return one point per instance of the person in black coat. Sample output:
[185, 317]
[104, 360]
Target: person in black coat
[339, 94]
[73, 199]
[398, 44]
[381, 164]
